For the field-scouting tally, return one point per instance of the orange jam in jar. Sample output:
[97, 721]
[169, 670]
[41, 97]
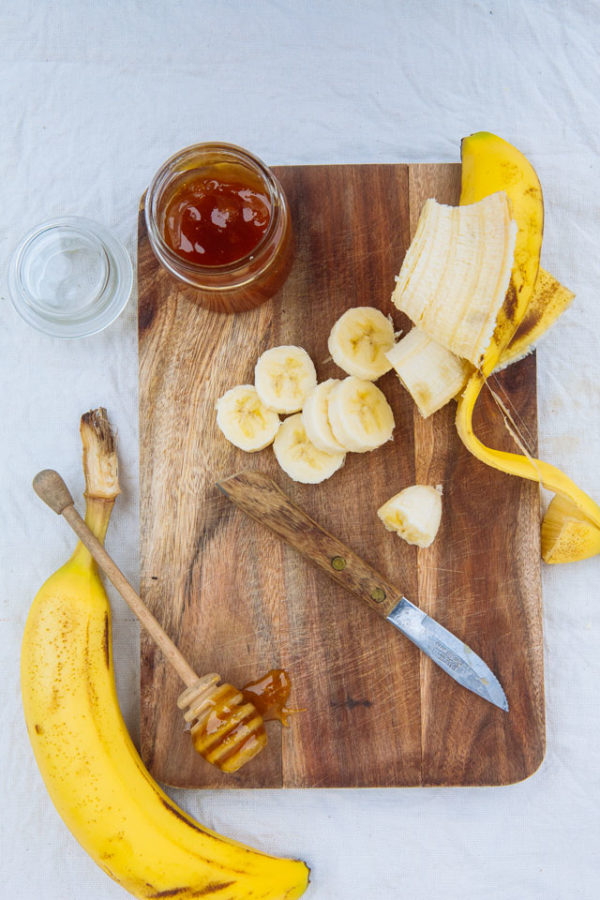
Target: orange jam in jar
[218, 220]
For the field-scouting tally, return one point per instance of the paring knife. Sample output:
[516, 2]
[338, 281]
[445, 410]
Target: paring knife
[260, 497]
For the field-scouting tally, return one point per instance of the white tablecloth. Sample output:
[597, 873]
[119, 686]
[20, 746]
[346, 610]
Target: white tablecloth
[94, 96]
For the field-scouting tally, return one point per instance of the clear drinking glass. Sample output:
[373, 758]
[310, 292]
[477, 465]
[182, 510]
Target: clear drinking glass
[70, 277]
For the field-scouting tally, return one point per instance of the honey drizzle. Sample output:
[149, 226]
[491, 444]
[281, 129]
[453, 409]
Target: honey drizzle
[269, 695]
[233, 731]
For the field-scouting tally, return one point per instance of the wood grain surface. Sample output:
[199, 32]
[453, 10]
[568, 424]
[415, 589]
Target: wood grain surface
[237, 601]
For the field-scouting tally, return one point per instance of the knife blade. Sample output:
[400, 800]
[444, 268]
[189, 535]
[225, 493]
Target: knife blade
[261, 498]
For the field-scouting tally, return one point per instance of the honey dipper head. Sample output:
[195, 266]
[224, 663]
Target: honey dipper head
[227, 730]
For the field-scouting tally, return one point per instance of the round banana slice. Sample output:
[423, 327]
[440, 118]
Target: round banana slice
[299, 458]
[244, 420]
[283, 377]
[359, 341]
[316, 419]
[361, 418]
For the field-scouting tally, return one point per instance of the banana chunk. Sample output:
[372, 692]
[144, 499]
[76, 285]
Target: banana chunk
[456, 272]
[315, 416]
[415, 514]
[299, 458]
[360, 416]
[431, 374]
[245, 420]
[359, 340]
[283, 377]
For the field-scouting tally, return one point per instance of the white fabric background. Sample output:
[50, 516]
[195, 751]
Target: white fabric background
[94, 96]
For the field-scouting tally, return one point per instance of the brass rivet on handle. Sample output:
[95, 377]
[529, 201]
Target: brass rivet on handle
[378, 595]
[338, 563]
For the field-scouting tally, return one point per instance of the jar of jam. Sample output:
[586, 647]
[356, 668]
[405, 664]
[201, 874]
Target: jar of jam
[218, 220]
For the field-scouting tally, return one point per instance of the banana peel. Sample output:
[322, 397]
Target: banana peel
[566, 534]
[491, 164]
[549, 301]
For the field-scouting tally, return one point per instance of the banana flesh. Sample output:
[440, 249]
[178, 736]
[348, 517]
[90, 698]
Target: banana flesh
[456, 271]
[359, 340]
[91, 768]
[283, 377]
[360, 416]
[244, 420]
[430, 373]
[298, 456]
[315, 416]
[434, 376]
[414, 513]
[337, 416]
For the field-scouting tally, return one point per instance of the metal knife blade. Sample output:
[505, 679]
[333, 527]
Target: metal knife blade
[451, 654]
[262, 499]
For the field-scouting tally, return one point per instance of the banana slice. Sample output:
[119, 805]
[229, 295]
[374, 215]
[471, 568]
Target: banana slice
[431, 374]
[315, 417]
[415, 514]
[359, 340]
[244, 420]
[299, 458]
[283, 376]
[360, 416]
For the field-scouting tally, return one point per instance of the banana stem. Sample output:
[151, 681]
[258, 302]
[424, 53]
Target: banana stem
[101, 489]
[101, 471]
[97, 517]
[94, 547]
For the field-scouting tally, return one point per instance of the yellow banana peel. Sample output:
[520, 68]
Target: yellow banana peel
[490, 164]
[87, 760]
[566, 534]
[549, 301]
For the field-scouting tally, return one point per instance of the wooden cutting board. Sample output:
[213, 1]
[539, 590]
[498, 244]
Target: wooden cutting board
[239, 602]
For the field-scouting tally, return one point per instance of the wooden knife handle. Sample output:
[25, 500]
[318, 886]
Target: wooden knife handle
[260, 497]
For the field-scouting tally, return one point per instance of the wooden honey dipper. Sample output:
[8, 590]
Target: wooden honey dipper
[226, 728]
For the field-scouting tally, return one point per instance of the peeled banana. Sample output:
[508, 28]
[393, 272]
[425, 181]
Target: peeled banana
[430, 373]
[456, 271]
[360, 416]
[283, 377]
[245, 420]
[359, 340]
[89, 764]
[434, 376]
[415, 514]
[298, 456]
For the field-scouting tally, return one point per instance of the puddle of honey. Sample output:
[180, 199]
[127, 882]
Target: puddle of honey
[269, 694]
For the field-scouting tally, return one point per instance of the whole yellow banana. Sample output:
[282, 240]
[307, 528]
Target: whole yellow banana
[89, 764]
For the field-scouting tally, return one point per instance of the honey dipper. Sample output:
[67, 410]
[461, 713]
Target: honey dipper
[226, 729]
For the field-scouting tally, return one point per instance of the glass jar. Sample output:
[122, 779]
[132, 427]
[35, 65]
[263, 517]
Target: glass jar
[70, 277]
[240, 283]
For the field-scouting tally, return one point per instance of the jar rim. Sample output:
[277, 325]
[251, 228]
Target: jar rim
[161, 180]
